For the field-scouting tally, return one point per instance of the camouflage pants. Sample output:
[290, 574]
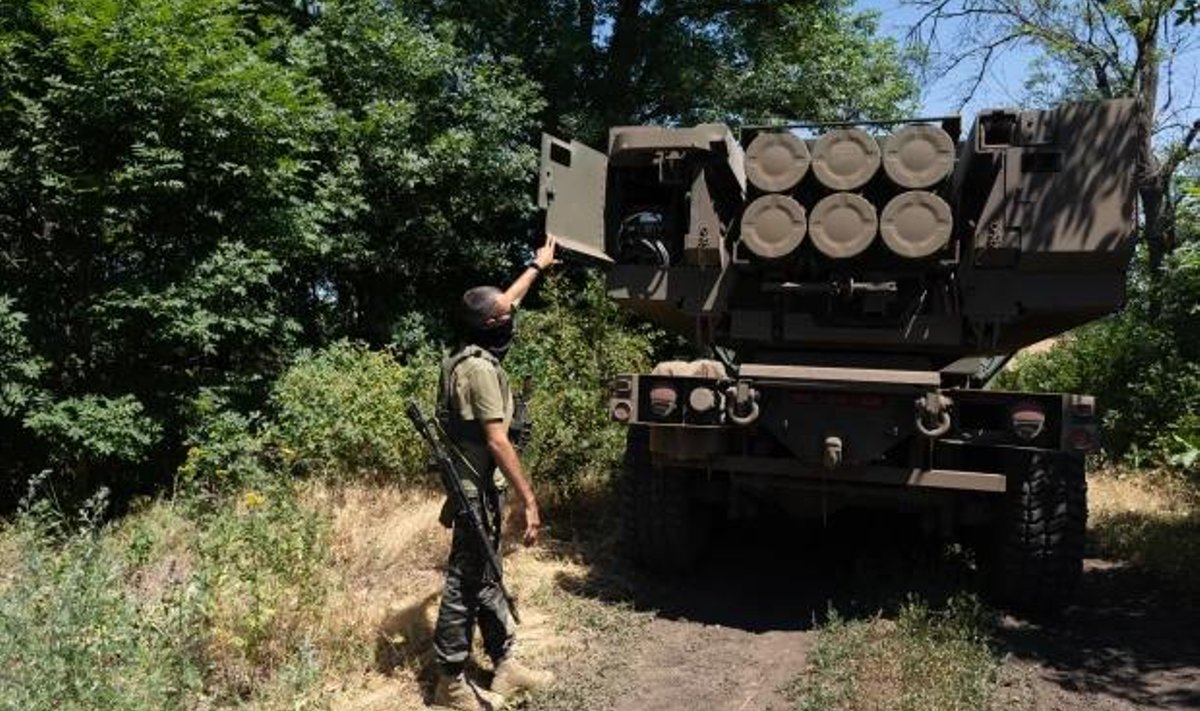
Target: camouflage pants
[471, 596]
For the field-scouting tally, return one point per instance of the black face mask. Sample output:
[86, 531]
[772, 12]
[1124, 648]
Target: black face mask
[497, 339]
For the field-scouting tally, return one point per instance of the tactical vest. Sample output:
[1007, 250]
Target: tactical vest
[468, 434]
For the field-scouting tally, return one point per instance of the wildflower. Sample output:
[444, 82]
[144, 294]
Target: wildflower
[253, 500]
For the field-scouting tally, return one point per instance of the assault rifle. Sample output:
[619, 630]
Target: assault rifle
[435, 437]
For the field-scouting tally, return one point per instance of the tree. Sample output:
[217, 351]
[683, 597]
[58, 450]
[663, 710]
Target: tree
[1102, 49]
[190, 190]
[612, 62]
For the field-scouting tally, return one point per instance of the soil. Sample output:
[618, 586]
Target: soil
[1128, 644]
[734, 633]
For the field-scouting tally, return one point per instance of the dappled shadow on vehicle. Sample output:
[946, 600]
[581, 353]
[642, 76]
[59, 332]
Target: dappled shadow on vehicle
[1128, 637]
[780, 574]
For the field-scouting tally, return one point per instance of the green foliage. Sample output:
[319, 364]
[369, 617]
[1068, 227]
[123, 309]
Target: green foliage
[340, 412]
[1144, 368]
[569, 350]
[170, 607]
[1182, 443]
[1187, 12]
[94, 427]
[260, 563]
[437, 140]
[19, 367]
[817, 62]
[226, 451]
[924, 659]
[192, 190]
[605, 64]
[71, 635]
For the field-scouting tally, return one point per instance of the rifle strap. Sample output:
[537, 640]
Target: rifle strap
[485, 488]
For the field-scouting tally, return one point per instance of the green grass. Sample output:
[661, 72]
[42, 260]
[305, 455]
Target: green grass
[923, 660]
[73, 637]
[162, 608]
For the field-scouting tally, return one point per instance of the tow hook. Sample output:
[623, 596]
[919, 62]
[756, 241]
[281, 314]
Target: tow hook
[833, 452]
[933, 414]
[742, 403]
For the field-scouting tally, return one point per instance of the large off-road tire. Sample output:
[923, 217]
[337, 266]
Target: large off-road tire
[1038, 556]
[663, 528]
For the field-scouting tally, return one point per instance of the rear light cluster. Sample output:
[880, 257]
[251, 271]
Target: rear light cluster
[703, 402]
[1027, 419]
[1080, 433]
[663, 401]
[666, 401]
[1080, 439]
[620, 399]
[621, 411]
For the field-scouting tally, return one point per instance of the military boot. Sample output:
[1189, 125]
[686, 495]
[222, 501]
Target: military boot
[513, 677]
[455, 692]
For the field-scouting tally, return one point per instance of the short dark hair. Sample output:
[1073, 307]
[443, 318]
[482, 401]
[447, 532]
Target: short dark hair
[478, 305]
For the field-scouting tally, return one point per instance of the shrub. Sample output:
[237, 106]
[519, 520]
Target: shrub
[340, 412]
[1143, 363]
[261, 559]
[569, 350]
[226, 451]
[71, 635]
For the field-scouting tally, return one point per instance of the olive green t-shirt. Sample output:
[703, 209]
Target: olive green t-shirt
[479, 392]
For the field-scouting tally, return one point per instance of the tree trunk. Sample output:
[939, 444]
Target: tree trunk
[619, 102]
[1151, 184]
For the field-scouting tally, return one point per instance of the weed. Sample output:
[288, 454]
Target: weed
[1151, 519]
[923, 659]
[71, 637]
[260, 564]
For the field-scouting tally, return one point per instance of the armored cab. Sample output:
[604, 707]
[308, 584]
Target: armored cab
[847, 280]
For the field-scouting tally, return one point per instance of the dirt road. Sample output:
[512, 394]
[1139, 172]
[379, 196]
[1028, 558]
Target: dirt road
[732, 635]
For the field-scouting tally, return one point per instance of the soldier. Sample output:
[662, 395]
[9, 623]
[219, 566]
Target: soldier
[475, 405]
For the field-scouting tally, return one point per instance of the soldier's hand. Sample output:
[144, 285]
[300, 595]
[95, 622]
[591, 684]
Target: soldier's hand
[544, 258]
[533, 524]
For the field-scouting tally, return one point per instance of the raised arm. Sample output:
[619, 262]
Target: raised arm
[542, 259]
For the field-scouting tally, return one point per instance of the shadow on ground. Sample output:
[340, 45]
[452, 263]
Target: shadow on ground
[1129, 638]
[1128, 642]
[780, 574]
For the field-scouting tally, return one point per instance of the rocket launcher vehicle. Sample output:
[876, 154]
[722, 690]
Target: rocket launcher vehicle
[901, 244]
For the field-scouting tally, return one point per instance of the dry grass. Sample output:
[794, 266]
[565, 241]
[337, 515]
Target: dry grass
[1151, 519]
[388, 555]
[158, 542]
[10, 555]
[386, 551]
[328, 602]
